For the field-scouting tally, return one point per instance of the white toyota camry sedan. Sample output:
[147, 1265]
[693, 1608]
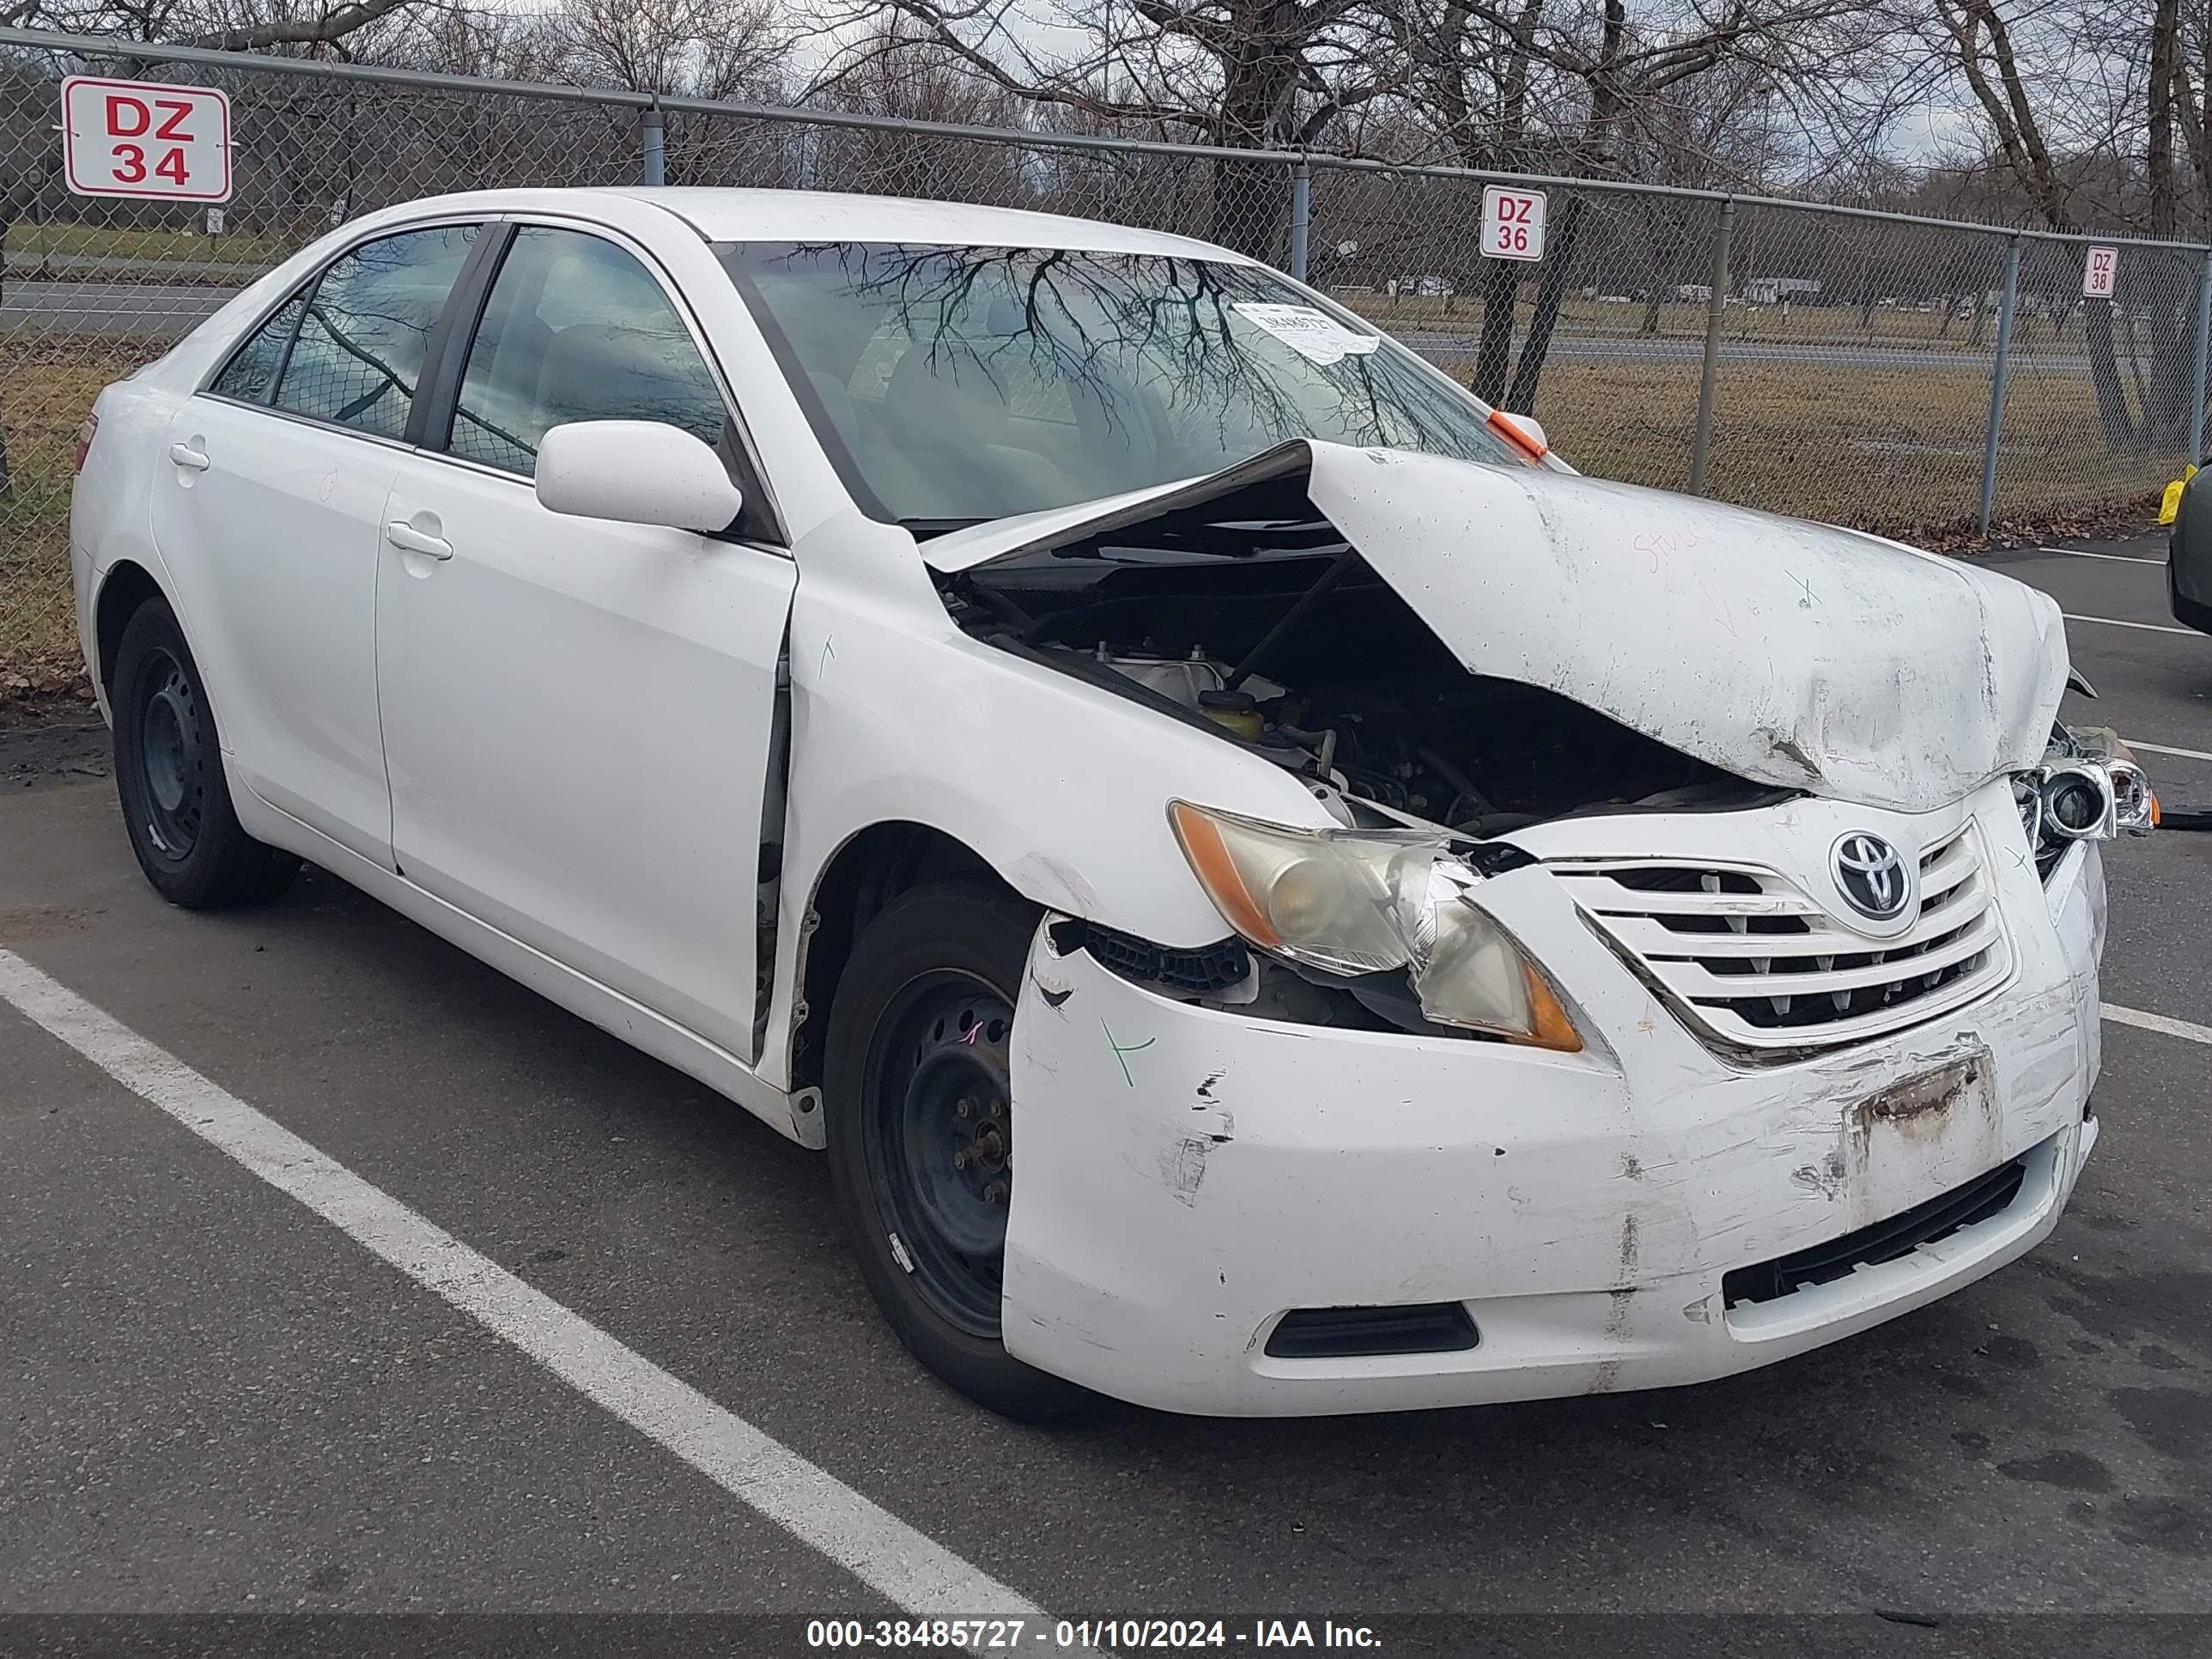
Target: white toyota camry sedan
[1276, 894]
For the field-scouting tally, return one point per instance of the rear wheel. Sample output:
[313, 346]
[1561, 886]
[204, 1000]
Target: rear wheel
[920, 1132]
[168, 774]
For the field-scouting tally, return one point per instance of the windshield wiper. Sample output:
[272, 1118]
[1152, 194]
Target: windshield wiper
[924, 530]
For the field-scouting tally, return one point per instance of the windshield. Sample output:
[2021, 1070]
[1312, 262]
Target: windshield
[953, 385]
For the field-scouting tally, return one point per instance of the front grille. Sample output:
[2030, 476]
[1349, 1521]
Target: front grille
[1978, 1199]
[1751, 962]
[1362, 1333]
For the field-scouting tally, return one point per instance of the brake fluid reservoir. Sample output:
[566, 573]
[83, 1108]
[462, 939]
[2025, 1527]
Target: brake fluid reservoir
[1236, 712]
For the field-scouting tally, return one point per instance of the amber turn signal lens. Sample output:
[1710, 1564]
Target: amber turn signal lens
[1216, 872]
[1554, 1029]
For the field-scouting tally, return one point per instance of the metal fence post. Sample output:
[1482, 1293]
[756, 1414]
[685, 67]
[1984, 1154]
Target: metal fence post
[1997, 383]
[1301, 217]
[5, 216]
[2196, 455]
[653, 147]
[1716, 305]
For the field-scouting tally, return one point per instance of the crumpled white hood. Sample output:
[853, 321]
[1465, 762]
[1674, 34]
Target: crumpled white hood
[1785, 652]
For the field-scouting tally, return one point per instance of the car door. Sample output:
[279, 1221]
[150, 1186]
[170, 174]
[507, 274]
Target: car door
[268, 514]
[578, 715]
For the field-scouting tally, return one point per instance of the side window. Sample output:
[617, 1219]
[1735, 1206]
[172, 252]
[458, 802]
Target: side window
[250, 373]
[577, 330]
[367, 328]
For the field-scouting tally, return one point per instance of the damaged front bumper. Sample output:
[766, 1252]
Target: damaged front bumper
[1655, 1210]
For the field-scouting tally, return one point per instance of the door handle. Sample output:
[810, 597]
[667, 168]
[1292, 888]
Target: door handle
[185, 456]
[408, 539]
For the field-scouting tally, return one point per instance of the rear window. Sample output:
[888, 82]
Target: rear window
[250, 373]
[358, 354]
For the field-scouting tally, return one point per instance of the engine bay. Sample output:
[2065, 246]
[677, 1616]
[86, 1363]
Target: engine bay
[1250, 615]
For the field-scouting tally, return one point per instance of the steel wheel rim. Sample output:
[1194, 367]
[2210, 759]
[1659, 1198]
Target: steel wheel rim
[172, 758]
[945, 1175]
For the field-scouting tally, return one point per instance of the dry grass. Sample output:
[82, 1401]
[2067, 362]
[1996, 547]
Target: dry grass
[1892, 450]
[46, 388]
[1814, 325]
[161, 245]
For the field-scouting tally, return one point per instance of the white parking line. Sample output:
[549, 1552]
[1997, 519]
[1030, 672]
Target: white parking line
[914, 1570]
[2167, 748]
[904, 1566]
[2163, 1024]
[2114, 622]
[2084, 553]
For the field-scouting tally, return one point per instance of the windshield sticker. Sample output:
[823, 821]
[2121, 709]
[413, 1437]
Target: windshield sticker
[1314, 336]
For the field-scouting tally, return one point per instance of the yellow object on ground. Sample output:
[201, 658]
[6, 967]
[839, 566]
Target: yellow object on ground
[2170, 509]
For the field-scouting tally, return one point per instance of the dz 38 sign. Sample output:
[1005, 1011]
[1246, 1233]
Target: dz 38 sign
[134, 138]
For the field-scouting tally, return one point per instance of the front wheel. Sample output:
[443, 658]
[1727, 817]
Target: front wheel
[920, 1132]
[168, 774]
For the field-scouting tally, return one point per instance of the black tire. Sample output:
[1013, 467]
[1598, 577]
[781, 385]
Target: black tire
[919, 1029]
[168, 774]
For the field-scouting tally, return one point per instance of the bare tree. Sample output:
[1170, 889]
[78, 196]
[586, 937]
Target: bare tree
[925, 83]
[226, 24]
[692, 48]
[2084, 107]
[1591, 87]
[1252, 74]
[2192, 100]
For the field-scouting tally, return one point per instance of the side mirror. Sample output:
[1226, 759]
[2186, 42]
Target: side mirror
[634, 472]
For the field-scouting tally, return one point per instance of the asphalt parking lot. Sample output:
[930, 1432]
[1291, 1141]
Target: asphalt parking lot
[213, 1397]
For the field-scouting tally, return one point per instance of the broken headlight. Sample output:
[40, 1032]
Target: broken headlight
[1366, 902]
[2089, 787]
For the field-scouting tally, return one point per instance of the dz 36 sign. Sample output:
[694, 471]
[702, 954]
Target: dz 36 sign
[1512, 223]
[135, 138]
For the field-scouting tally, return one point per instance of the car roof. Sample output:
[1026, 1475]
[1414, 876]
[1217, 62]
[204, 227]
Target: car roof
[799, 216]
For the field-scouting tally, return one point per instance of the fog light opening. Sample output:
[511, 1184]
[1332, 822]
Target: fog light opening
[1370, 1333]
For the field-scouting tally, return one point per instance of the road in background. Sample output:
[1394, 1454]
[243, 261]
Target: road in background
[159, 311]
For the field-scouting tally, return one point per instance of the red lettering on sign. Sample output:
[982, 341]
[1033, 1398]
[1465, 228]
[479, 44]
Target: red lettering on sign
[145, 139]
[117, 107]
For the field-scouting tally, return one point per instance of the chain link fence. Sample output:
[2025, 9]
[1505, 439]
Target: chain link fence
[1905, 375]
[1849, 359]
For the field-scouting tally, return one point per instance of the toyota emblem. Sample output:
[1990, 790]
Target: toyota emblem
[1873, 876]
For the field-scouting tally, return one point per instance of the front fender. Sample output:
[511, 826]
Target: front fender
[1061, 787]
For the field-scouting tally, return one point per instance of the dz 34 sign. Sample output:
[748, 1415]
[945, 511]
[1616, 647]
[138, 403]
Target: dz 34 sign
[135, 138]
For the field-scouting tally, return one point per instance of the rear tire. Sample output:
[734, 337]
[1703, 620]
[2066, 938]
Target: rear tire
[920, 1131]
[168, 774]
